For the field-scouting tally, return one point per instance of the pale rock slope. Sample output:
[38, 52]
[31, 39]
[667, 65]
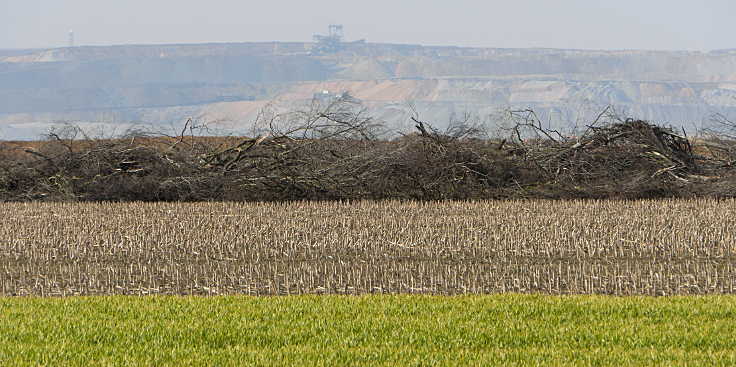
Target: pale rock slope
[226, 86]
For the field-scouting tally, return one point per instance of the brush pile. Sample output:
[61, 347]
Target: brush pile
[333, 153]
[631, 158]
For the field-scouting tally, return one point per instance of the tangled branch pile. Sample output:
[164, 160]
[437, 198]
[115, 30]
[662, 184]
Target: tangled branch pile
[333, 151]
[624, 158]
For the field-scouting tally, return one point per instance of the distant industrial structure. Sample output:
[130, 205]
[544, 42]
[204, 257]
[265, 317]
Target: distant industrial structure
[332, 42]
[71, 38]
[328, 96]
[334, 36]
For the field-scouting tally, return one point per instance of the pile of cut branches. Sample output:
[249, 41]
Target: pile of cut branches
[626, 158]
[334, 151]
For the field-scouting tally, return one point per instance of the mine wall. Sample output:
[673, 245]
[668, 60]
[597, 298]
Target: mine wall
[163, 83]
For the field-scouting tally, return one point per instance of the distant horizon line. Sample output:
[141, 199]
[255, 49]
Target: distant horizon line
[373, 43]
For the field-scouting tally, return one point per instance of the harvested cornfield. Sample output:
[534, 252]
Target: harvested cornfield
[645, 247]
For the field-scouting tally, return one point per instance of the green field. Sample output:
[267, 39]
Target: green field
[368, 330]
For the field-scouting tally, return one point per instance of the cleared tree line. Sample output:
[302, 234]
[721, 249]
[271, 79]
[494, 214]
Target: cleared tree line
[335, 151]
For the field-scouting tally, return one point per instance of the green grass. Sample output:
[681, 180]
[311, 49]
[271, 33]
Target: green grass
[369, 330]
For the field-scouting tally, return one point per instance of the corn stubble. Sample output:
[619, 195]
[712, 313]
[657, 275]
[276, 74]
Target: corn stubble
[660, 247]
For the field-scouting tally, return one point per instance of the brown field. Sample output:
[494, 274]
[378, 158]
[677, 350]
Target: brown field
[645, 247]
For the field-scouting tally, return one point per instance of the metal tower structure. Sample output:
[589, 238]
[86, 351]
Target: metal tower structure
[330, 43]
[336, 32]
[71, 38]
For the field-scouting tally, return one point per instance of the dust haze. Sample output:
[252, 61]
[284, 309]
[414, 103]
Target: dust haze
[579, 24]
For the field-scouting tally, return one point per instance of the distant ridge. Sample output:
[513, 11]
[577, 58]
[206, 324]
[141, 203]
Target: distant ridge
[164, 84]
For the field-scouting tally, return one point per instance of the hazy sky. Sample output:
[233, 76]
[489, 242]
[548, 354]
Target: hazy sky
[586, 24]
